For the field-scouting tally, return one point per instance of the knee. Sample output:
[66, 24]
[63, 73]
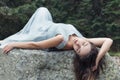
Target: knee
[42, 9]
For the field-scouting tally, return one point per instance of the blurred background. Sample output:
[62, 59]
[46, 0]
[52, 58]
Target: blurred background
[93, 18]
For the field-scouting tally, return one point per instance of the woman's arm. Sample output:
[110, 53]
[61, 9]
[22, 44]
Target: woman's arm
[52, 42]
[104, 43]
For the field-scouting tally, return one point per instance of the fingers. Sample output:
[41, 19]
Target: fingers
[94, 68]
[6, 49]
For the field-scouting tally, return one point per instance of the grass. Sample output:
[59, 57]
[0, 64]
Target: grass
[114, 53]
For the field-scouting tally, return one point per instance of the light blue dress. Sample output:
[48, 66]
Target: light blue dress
[41, 27]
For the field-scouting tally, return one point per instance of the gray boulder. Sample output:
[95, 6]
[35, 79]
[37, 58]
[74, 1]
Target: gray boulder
[22, 64]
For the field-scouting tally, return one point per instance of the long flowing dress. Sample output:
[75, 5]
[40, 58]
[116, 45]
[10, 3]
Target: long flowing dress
[41, 27]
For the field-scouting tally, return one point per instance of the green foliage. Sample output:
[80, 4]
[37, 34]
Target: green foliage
[80, 13]
[115, 54]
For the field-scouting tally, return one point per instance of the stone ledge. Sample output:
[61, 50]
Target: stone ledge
[22, 64]
[36, 65]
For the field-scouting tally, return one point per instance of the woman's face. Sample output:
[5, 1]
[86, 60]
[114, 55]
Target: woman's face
[81, 46]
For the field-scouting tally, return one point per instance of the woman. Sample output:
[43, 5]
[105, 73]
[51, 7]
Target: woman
[42, 33]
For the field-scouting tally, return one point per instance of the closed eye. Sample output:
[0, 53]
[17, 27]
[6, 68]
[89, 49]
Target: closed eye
[85, 43]
[78, 50]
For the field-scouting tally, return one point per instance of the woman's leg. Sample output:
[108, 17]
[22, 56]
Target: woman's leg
[40, 15]
[43, 14]
[32, 29]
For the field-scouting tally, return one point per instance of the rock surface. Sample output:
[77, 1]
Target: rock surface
[22, 64]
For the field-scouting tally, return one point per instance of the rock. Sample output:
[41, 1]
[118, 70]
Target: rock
[22, 64]
[36, 65]
[112, 70]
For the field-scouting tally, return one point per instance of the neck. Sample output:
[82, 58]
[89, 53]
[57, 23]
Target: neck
[69, 44]
[72, 37]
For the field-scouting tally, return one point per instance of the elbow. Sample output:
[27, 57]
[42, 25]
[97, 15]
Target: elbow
[61, 38]
[33, 45]
[110, 40]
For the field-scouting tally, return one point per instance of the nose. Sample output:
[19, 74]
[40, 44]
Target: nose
[78, 44]
[75, 40]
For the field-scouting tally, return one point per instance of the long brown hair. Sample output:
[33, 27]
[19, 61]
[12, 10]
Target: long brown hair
[83, 65]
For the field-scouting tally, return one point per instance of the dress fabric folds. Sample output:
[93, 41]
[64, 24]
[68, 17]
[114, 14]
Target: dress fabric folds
[41, 27]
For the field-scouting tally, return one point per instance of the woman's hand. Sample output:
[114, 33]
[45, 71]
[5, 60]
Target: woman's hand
[95, 67]
[105, 44]
[8, 48]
